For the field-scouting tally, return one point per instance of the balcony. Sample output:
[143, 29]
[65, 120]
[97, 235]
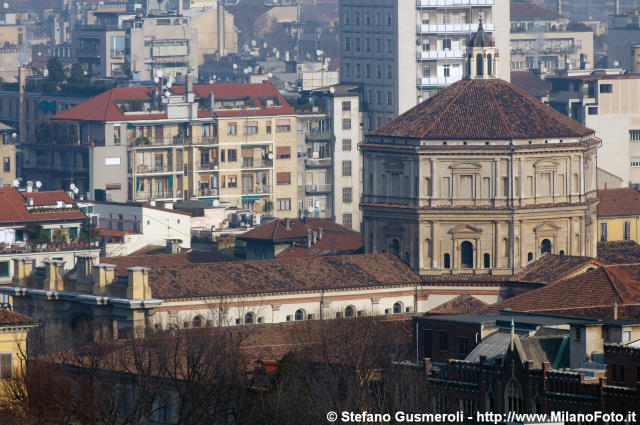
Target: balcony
[453, 3]
[452, 28]
[318, 188]
[117, 53]
[207, 166]
[258, 190]
[317, 163]
[206, 192]
[441, 54]
[154, 195]
[318, 136]
[88, 52]
[154, 169]
[256, 163]
[145, 142]
[437, 81]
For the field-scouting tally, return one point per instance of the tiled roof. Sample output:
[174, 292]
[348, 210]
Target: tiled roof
[113, 233]
[529, 11]
[482, 110]
[332, 243]
[8, 318]
[596, 76]
[153, 260]
[551, 268]
[618, 252]
[530, 83]
[617, 202]
[462, 304]
[103, 106]
[267, 276]
[13, 207]
[599, 287]
[464, 279]
[625, 312]
[276, 230]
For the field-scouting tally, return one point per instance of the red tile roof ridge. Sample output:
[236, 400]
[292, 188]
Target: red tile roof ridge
[500, 113]
[617, 280]
[444, 111]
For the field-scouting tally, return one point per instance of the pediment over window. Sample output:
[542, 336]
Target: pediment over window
[545, 164]
[464, 229]
[465, 165]
[546, 227]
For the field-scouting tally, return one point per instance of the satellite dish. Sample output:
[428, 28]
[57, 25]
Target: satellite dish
[159, 73]
[16, 183]
[319, 52]
[253, 43]
[76, 190]
[72, 186]
[332, 90]
[172, 80]
[169, 85]
[616, 64]
[250, 68]
[325, 67]
[310, 210]
[216, 203]
[270, 156]
[235, 66]
[246, 70]
[38, 184]
[167, 94]
[156, 80]
[6, 5]
[270, 74]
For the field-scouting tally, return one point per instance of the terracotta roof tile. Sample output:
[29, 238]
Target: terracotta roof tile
[617, 202]
[8, 317]
[551, 268]
[265, 276]
[482, 110]
[462, 304]
[332, 243]
[154, 260]
[618, 252]
[530, 83]
[14, 206]
[276, 230]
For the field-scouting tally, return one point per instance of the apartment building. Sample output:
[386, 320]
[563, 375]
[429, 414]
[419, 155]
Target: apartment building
[606, 101]
[623, 39]
[231, 142]
[542, 39]
[402, 52]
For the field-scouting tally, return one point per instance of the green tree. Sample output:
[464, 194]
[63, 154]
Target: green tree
[36, 234]
[56, 71]
[60, 235]
[78, 74]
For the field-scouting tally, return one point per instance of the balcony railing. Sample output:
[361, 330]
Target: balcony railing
[142, 142]
[321, 162]
[153, 169]
[441, 54]
[207, 192]
[259, 190]
[452, 28]
[256, 163]
[437, 81]
[155, 195]
[318, 188]
[207, 166]
[318, 135]
[441, 3]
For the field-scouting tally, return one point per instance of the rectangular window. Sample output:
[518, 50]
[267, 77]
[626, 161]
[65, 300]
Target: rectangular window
[346, 123]
[463, 344]
[627, 230]
[346, 168]
[232, 128]
[283, 126]
[389, 98]
[346, 105]
[606, 88]
[347, 220]
[635, 162]
[446, 44]
[6, 164]
[346, 195]
[592, 110]
[233, 181]
[6, 366]
[634, 135]
[232, 155]
[346, 144]
[283, 178]
[284, 204]
[4, 269]
[603, 232]
[578, 334]
[446, 70]
[442, 340]
[251, 127]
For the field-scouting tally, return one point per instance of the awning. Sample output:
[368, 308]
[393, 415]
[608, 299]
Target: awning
[204, 178]
[114, 186]
[283, 150]
[283, 122]
[251, 198]
[283, 178]
[251, 124]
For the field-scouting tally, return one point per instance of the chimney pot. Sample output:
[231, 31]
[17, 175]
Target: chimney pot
[54, 275]
[320, 231]
[103, 276]
[22, 270]
[138, 283]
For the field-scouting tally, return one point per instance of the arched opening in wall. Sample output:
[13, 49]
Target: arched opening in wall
[397, 308]
[81, 327]
[447, 261]
[562, 252]
[350, 311]
[489, 65]
[299, 314]
[545, 247]
[249, 318]
[487, 260]
[466, 255]
[427, 248]
[197, 322]
[394, 247]
[479, 65]
[513, 397]
[530, 256]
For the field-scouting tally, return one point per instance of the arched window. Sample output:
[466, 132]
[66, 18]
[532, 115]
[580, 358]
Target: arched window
[479, 65]
[513, 397]
[197, 322]
[394, 247]
[562, 252]
[489, 65]
[397, 308]
[466, 255]
[427, 248]
[249, 318]
[350, 311]
[530, 256]
[447, 261]
[505, 246]
[487, 260]
[299, 314]
[545, 248]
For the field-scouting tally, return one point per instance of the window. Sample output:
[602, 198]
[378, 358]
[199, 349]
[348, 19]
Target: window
[346, 195]
[4, 269]
[446, 44]
[346, 144]
[197, 322]
[397, 308]
[379, 72]
[635, 162]
[487, 260]
[347, 44]
[346, 123]
[530, 256]
[389, 98]
[346, 168]
[442, 340]
[463, 346]
[249, 318]
[233, 181]
[251, 128]
[347, 18]
[447, 261]
[466, 260]
[592, 110]
[283, 126]
[299, 314]
[368, 70]
[232, 155]
[603, 232]
[545, 248]
[347, 220]
[284, 204]
[6, 164]
[232, 128]
[634, 135]
[578, 334]
[627, 230]
[446, 70]
[346, 105]
[606, 88]
[6, 366]
[350, 311]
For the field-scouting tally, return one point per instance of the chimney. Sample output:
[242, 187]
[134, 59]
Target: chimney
[315, 236]
[545, 367]
[22, 270]
[188, 88]
[615, 310]
[212, 100]
[483, 359]
[54, 275]
[173, 246]
[287, 224]
[309, 238]
[320, 231]
[427, 364]
[84, 268]
[103, 276]
[138, 283]
[221, 30]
